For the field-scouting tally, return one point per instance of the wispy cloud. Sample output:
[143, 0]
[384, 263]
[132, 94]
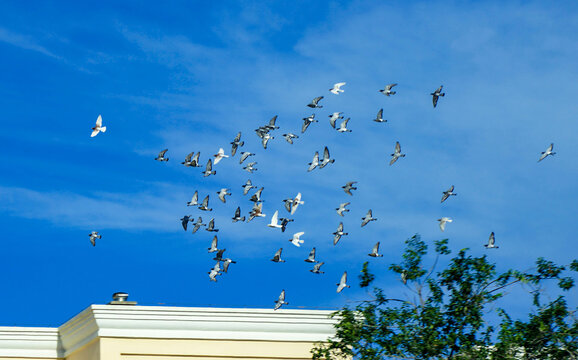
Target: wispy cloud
[25, 42]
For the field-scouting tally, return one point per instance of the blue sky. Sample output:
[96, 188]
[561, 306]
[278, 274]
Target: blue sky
[188, 76]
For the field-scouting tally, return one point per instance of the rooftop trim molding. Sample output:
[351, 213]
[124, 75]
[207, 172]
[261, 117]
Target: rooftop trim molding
[159, 322]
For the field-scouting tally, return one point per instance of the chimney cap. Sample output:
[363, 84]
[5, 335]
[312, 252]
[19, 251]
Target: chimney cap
[120, 298]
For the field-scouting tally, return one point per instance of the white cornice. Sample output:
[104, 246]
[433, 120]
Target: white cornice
[32, 342]
[158, 322]
[195, 323]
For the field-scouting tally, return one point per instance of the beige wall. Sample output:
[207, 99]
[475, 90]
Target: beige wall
[90, 351]
[177, 349]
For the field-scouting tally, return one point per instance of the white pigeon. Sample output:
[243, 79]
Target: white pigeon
[375, 251]
[387, 90]
[341, 209]
[296, 202]
[218, 156]
[334, 117]
[367, 218]
[343, 283]
[281, 301]
[491, 242]
[296, 240]
[222, 193]
[343, 126]
[98, 127]
[396, 153]
[443, 222]
[336, 89]
[275, 221]
[213, 275]
[315, 162]
[547, 152]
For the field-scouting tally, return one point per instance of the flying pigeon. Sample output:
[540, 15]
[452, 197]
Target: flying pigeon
[195, 200]
[443, 222]
[396, 153]
[284, 222]
[367, 218]
[436, 94]
[317, 267]
[341, 209]
[265, 140]
[289, 137]
[281, 301]
[343, 126]
[336, 89]
[98, 127]
[213, 275]
[296, 239]
[195, 160]
[449, 192]
[244, 156]
[161, 156]
[315, 103]
[213, 247]
[251, 167]
[375, 251]
[343, 283]
[226, 263]
[222, 193]
[93, 236]
[271, 125]
[338, 234]
[274, 221]
[236, 143]
[257, 210]
[218, 156]
[185, 221]
[311, 257]
[348, 187]
[205, 204]
[237, 216]
[491, 242]
[379, 118]
[315, 162]
[261, 131]
[211, 226]
[219, 255]
[247, 187]
[187, 161]
[334, 117]
[277, 256]
[257, 195]
[198, 224]
[326, 159]
[307, 121]
[387, 90]
[547, 152]
[209, 169]
[296, 202]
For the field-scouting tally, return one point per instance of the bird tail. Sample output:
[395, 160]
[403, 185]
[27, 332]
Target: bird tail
[103, 128]
[392, 93]
[442, 94]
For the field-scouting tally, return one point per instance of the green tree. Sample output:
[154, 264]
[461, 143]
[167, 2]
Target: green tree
[446, 319]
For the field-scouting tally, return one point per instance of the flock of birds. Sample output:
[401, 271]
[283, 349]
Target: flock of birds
[291, 204]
